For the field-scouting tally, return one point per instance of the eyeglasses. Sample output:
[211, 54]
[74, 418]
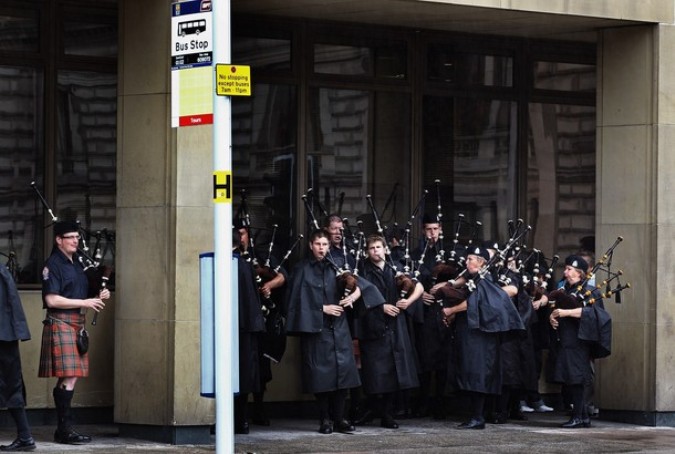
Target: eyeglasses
[71, 237]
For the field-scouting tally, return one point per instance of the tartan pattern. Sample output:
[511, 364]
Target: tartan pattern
[59, 356]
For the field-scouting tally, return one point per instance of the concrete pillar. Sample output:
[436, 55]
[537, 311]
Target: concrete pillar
[164, 220]
[636, 170]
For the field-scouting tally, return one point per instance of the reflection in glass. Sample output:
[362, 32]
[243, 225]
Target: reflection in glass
[391, 163]
[446, 65]
[561, 175]
[470, 146]
[90, 39]
[387, 61]
[262, 53]
[338, 153]
[21, 162]
[86, 143]
[345, 60]
[264, 155]
[18, 34]
[564, 76]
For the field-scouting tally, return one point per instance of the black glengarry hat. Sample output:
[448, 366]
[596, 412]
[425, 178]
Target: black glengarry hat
[63, 227]
[577, 262]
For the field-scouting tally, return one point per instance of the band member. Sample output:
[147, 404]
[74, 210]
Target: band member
[334, 226]
[64, 295]
[13, 328]
[516, 349]
[431, 335]
[477, 324]
[317, 313]
[573, 320]
[251, 325]
[387, 356]
[270, 290]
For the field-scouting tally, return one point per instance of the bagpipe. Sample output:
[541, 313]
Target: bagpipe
[499, 259]
[346, 277]
[536, 272]
[98, 274]
[12, 263]
[405, 284]
[580, 295]
[273, 340]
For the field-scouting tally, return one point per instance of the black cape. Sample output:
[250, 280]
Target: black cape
[476, 359]
[328, 362]
[387, 356]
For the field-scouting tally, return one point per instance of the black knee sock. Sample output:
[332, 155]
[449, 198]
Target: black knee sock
[323, 405]
[477, 405]
[62, 400]
[577, 395]
[21, 421]
[338, 403]
[240, 409]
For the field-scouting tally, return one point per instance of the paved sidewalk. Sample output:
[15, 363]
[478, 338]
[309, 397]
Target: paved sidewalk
[540, 434]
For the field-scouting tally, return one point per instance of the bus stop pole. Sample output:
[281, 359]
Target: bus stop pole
[222, 161]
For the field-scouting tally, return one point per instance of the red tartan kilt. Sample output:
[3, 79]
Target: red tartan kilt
[59, 356]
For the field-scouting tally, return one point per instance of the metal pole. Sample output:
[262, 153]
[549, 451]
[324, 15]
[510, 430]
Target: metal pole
[222, 161]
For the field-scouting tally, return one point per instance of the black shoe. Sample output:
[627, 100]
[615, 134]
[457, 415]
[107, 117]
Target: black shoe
[242, 428]
[497, 418]
[365, 418]
[261, 421]
[344, 427]
[586, 422]
[473, 423]
[574, 423]
[20, 445]
[326, 427]
[70, 437]
[389, 423]
[517, 415]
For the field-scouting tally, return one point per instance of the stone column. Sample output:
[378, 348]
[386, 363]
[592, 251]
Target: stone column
[164, 220]
[636, 112]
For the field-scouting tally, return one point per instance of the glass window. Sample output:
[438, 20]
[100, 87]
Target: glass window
[90, 39]
[390, 166]
[378, 61]
[19, 34]
[86, 156]
[469, 145]
[345, 60]
[564, 76]
[262, 53]
[561, 175]
[264, 156]
[447, 66]
[21, 163]
[338, 151]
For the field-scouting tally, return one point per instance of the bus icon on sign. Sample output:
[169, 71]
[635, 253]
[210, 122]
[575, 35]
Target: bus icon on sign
[193, 27]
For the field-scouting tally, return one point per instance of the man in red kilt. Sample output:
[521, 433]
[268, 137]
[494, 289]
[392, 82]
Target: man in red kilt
[64, 294]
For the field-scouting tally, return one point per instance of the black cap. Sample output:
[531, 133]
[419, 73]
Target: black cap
[63, 227]
[479, 251]
[429, 219]
[577, 262]
[239, 223]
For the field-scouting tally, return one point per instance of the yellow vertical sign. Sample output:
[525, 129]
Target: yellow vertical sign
[222, 186]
